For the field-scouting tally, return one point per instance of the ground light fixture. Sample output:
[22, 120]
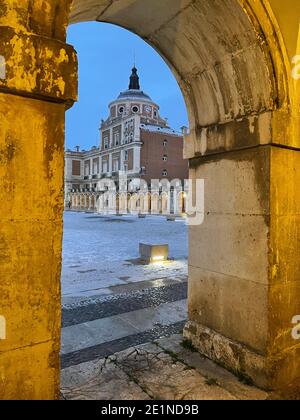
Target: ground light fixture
[154, 253]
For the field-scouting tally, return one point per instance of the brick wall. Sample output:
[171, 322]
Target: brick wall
[153, 151]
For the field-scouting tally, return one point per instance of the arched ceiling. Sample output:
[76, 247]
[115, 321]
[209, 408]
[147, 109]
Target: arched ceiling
[218, 54]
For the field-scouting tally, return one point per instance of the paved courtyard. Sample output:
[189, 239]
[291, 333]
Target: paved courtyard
[100, 253]
[112, 301]
[123, 321]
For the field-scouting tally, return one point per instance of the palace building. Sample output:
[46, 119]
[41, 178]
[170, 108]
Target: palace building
[135, 140]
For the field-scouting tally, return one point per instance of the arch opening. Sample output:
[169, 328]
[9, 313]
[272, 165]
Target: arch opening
[111, 181]
[233, 74]
[230, 59]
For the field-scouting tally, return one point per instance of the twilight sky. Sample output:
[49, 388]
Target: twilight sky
[106, 54]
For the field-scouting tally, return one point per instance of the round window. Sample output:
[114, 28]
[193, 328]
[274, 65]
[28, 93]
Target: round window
[121, 110]
[135, 109]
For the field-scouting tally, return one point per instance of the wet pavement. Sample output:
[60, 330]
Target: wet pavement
[100, 253]
[111, 304]
[108, 324]
[123, 320]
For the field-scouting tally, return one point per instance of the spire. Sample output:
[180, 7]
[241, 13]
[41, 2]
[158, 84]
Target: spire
[134, 80]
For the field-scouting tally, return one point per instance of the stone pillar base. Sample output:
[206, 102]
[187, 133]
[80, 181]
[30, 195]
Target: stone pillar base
[232, 355]
[265, 372]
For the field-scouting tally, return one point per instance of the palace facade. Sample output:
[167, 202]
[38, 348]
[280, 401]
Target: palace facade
[135, 141]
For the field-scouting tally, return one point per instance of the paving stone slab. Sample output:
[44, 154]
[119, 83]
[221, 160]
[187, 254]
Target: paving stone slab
[99, 381]
[161, 370]
[211, 370]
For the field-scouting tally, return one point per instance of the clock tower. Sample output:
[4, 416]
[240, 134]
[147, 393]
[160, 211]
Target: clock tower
[135, 139]
[121, 131]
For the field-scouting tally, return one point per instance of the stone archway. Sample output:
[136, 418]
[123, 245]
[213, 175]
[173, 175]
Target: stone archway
[232, 61]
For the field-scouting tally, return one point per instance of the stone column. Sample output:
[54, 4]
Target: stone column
[39, 81]
[100, 165]
[244, 270]
[122, 160]
[110, 163]
[91, 167]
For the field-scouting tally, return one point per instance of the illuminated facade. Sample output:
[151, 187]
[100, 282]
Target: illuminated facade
[135, 140]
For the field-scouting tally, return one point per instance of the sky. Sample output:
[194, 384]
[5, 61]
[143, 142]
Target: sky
[106, 56]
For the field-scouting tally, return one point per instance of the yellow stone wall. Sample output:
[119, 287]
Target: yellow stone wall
[40, 82]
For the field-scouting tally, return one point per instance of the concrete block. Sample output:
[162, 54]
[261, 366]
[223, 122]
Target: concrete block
[154, 253]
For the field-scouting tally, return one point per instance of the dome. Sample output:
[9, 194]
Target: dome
[124, 104]
[135, 95]
[134, 92]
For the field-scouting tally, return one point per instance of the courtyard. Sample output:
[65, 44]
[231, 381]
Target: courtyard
[123, 319]
[111, 299]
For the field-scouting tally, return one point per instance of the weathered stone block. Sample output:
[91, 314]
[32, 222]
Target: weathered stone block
[38, 67]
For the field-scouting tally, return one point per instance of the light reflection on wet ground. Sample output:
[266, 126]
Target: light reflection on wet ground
[100, 253]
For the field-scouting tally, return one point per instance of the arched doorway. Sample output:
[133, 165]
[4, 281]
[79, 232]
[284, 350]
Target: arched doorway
[231, 59]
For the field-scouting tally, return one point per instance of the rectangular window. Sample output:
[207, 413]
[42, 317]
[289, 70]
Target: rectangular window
[76, 168]
[106, 142]
[116, 138]
[126, 155]
[106, 139]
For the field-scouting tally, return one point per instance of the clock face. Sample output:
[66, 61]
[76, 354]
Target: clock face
[148, 109]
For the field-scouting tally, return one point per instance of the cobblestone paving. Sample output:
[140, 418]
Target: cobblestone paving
[125, 302]
[102, 326]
